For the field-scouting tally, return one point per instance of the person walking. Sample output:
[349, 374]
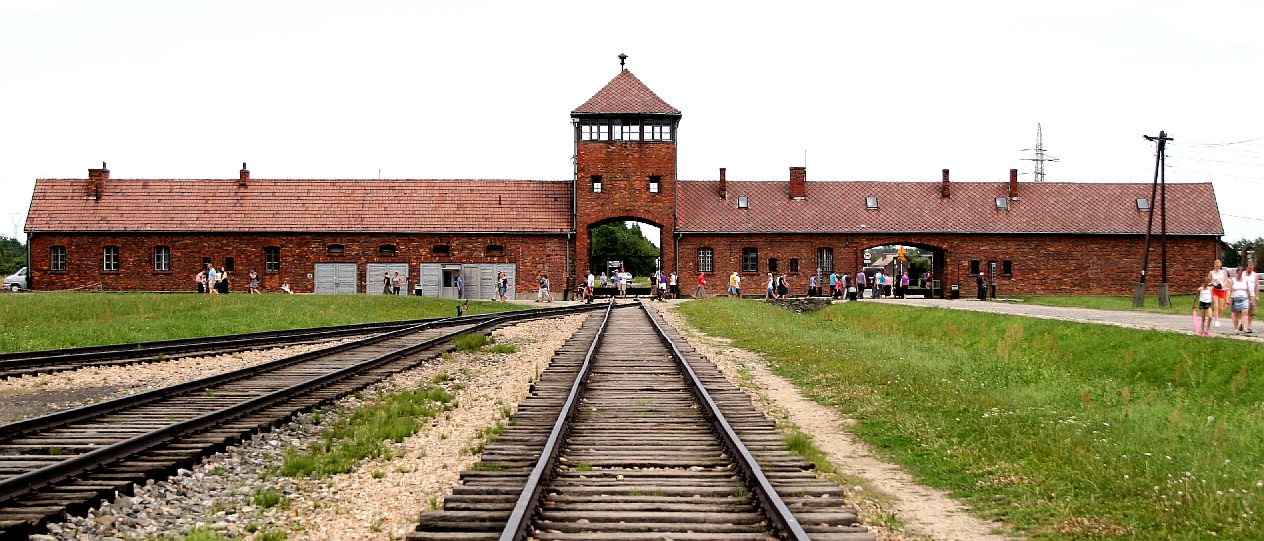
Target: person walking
[701, 291]
[1202, 307]
[1253, 292]
[502, 286]
[733, 284]
[769, 292]
[1240, 301]
[861, 285]
[1220, 296]
[783, 287]
[200, 280]
[386, 283]
[833, 283]
[672, 286]
[812, 289]
[212, 280]
[904, 284]
[981, 282]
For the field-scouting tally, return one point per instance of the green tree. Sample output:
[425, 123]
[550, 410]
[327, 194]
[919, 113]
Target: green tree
[621, 242]
[12, 256]
[1233, 258]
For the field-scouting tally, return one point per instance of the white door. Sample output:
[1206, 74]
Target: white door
[375, 271]
[335, 278]
[431, 277]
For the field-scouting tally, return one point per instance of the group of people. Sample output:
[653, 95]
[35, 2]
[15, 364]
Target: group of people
[392, 284]
[215, 281]
[1239, 292]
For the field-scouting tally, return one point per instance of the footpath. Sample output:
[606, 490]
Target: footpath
[1120, 318]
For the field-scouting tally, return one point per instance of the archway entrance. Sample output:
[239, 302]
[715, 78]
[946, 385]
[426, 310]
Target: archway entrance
[924, 264]
[623, 246]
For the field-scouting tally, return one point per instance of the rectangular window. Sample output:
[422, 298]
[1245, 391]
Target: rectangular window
[657, 130]
[630, 131]
[162, 258]
[594, 130]
[272, 259]
[616, 129]
[229, 264]
[974, 266]
[750, 260]
[655, 182]
[706, 260]
[335, 249]
[596, 183]
[772, 264]
[794, 265]
[825, 259]
[871, 202]
[57, 259]
[1007, 267]
[495, 250]
[110, 259]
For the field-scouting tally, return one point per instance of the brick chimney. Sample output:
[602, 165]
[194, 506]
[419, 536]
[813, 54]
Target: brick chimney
[1013, 184]
[724, 185]
[943, 187]
[243, 175]
[96, 181]
[798, 183]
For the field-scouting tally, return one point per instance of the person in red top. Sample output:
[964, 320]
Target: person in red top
[701, 292]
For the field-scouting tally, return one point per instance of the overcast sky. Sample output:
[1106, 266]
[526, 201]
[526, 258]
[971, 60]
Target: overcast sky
[872, 91]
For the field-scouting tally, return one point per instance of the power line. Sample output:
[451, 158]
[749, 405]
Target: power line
[1242, 217]
[1039, 157]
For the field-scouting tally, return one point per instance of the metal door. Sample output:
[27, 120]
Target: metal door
[374, 272]
[335, 278]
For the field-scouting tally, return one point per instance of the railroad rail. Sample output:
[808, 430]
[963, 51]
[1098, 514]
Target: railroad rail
[58, 360]
[631, 435]
[67, 461]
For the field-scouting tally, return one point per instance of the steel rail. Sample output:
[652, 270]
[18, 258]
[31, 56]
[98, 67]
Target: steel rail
[31, 481]
[770, 502]
[529, 498]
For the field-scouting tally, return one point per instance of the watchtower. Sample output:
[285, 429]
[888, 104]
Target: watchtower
[625, 163]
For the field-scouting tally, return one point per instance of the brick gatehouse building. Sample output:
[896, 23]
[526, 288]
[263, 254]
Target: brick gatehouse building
[342, 236]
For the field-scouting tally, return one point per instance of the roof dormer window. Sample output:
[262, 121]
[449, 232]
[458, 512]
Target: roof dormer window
[871, 202]
[1143, 204]
[1002, 203]
[743, 202]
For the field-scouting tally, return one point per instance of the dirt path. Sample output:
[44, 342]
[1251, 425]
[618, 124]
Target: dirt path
[919, 512]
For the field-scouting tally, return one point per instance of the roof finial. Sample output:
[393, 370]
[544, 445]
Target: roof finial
[622, 57]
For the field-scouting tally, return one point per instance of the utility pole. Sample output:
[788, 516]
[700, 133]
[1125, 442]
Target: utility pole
[1138, 293]
[1039, 157]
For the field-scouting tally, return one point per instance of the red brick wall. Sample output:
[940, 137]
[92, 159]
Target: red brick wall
[533, 254]
[625, 169]
[1042, 264]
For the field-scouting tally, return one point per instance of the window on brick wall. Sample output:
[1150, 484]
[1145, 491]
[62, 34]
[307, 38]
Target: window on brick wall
[441, 249]
[825, 259]
[594, 130]
[495, 250]
[1007, 267]
[162, 258]
[706, 260]
[271, 259]
[596, 183]
[388, 250]
[655, 183]
[974, 266]
[335, 249]
[110, 258]
[626, 130]
[750, 260]
[772, 264]
[57, 259]
[658, 130]
[794, 264]
[229, 264]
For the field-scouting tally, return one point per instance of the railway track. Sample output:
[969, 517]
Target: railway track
[631, 435]
[59, 360]
[67, 461]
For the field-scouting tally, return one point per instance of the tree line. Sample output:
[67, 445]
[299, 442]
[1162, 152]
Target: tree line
[12, 255]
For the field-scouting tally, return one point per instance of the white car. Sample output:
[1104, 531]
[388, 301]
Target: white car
[17, 281]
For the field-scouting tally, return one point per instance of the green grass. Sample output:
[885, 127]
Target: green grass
[268, 498]
[61, 320]
[472, 342]
[1181, 304]
[361, 434]
[1062, 430]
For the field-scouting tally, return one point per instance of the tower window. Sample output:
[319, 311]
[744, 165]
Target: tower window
[594, 130]
[655, 182]
[658, 130]
[750, 259]
[625, 130]
[596, 183]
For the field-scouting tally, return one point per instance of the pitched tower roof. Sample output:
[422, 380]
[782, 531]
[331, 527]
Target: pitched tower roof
[625, 94]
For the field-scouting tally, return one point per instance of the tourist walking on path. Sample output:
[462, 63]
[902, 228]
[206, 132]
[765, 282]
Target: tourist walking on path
[1220, 296]
[861, 284]
[833, 282]
[733, 280]
[701, 292]
[879, 280]
[1240, 301]
[981, 281]
[783, 287]
[769, 292]
[386, 284]
[1253, 292]
[812, 289]
[1202, 308]
[904, 284]
[212, 279]
[673, 285]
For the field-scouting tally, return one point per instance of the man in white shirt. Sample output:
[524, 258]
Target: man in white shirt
[1253, 292]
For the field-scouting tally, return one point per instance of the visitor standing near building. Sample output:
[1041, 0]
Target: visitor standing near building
[1253, 292]
[812, 286]
[861, 284]
[1239, 300]
[904, 284]
[386, 283]
[1202, 307]
[212, 279]
[502, 286]
[223, 280]
[833, 283]
[879, 280]
[397, 283]
[460, 286]
[701, 291]
[783, 287]
[1220, 296]
[981, 282]
[254, 282]
[200, 280]
[672, 286]
[769, 292]
[543, 294]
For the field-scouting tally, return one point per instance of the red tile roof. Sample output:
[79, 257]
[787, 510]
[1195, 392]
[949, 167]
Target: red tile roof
[302, 205]
[625, 94]
[911, 207]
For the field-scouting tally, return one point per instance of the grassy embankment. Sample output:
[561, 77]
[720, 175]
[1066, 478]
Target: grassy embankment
[60, 320]
[1063, 430]
[1181, 304]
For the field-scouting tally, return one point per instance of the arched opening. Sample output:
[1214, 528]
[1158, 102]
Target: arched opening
[924, 264]
[623, 245]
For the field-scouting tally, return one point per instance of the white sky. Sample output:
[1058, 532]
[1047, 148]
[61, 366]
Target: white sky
[456, 89]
